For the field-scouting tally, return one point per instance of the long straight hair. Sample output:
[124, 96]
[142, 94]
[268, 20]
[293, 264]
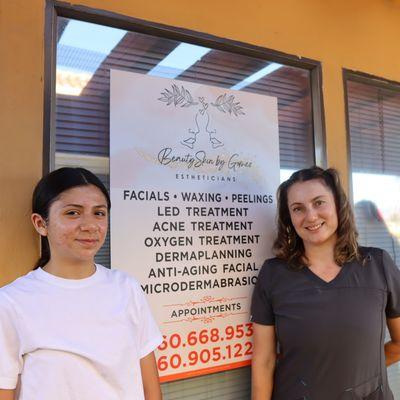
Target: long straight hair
[49, 189]
[289, 246]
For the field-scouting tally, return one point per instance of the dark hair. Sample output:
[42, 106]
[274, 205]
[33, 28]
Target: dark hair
[48, 190]
[289, 246]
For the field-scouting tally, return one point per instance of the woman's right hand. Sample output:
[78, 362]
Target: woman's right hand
[263, 362]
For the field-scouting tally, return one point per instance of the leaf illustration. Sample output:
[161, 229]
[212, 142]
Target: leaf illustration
[226, 104]
[178, 96]
[219, 99]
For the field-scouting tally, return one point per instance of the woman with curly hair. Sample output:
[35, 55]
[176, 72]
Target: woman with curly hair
[321, 306]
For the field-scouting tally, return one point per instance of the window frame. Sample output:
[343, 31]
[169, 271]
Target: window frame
[55, 8]
[367, 79]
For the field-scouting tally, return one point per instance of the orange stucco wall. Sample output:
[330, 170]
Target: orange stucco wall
[353, 34]
[21, 121]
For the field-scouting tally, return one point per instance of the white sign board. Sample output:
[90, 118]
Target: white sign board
[193, 175]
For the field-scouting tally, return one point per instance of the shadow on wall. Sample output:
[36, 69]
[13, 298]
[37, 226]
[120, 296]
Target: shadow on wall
[373, 231]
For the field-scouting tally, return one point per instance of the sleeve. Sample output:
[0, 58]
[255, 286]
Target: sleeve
[10, 358]
[392, 274]
[149, 334]
[261, 306]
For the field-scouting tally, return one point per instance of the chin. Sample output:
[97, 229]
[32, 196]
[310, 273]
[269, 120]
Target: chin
[86, 251]
[317, 241]
[86, 257]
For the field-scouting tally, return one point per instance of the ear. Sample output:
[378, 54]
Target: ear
[39, 224]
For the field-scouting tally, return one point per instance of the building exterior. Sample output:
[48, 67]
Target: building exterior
[337, 75]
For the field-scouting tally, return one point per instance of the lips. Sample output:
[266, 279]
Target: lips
[87, 241]
[315, 227]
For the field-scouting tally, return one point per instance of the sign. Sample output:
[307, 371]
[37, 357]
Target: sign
[193, 175]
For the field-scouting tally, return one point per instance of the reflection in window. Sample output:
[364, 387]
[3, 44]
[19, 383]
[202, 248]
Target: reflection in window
[285, 174]
[377, 213]
[180, 59]
[374, 122]
[85, 54]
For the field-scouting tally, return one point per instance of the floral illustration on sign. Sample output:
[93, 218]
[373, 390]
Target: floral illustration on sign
[206, 319]
[206, 299]
[181, 97]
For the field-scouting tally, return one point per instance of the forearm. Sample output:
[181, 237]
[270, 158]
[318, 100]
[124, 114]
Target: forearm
[392, 352]
[151, 384]
[152, 393]
[262, 378]
[6, 394]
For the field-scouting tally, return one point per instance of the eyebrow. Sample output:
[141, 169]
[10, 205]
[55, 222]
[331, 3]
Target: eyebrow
[315, 198]
[80, 206]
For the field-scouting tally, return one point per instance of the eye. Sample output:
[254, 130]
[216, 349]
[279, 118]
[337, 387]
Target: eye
[101, 213]
[296, 209]
[72, 213]
[319, 202]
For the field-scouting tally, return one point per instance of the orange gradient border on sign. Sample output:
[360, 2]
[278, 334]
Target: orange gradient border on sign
[204, 371]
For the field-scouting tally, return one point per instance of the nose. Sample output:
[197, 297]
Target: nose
[311, 214]
[89, 224]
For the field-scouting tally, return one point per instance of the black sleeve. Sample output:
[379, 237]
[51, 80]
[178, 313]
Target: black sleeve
[261, 307]
[393, 286]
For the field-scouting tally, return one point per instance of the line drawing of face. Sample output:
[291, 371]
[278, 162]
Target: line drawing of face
[313, 212]
[77, 224]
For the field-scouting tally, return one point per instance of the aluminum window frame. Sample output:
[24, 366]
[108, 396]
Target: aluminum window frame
[55, 9]
[367, 79]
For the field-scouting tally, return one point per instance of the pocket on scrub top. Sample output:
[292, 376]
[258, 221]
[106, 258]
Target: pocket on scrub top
[370, 390]
[375, 395]
[301, 391]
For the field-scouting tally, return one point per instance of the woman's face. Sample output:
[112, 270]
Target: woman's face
[313, 212]
[77, 224]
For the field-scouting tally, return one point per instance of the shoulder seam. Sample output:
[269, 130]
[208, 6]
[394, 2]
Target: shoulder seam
[383, 268]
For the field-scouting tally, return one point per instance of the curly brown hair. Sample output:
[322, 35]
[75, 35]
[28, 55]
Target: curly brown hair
[289, 246]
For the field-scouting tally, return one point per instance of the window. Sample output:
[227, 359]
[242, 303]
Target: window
[374, 131]
[85, 53]
[374, 126]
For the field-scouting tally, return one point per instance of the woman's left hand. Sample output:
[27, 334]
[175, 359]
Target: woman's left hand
[392, 348]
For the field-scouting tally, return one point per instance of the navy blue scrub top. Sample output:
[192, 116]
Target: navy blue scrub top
[331, 334]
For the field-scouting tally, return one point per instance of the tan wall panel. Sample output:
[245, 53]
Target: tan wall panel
[21, 120]
[354, 34]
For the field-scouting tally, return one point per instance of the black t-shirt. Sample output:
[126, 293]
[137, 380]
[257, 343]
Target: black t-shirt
[330, 335]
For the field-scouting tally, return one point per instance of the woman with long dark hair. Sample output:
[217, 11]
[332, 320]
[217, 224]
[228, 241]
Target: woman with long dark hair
[321, 306]
[72, 329]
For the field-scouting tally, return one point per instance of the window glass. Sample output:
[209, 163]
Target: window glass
[374, 122]
[85, 54]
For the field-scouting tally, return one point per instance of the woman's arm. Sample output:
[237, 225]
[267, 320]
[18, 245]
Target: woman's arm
[392, 348]
[263, 362]
[6, 394]
[151, 384]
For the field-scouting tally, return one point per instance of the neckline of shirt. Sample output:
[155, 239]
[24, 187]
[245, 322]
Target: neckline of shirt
[342, 272]
[42, 275]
